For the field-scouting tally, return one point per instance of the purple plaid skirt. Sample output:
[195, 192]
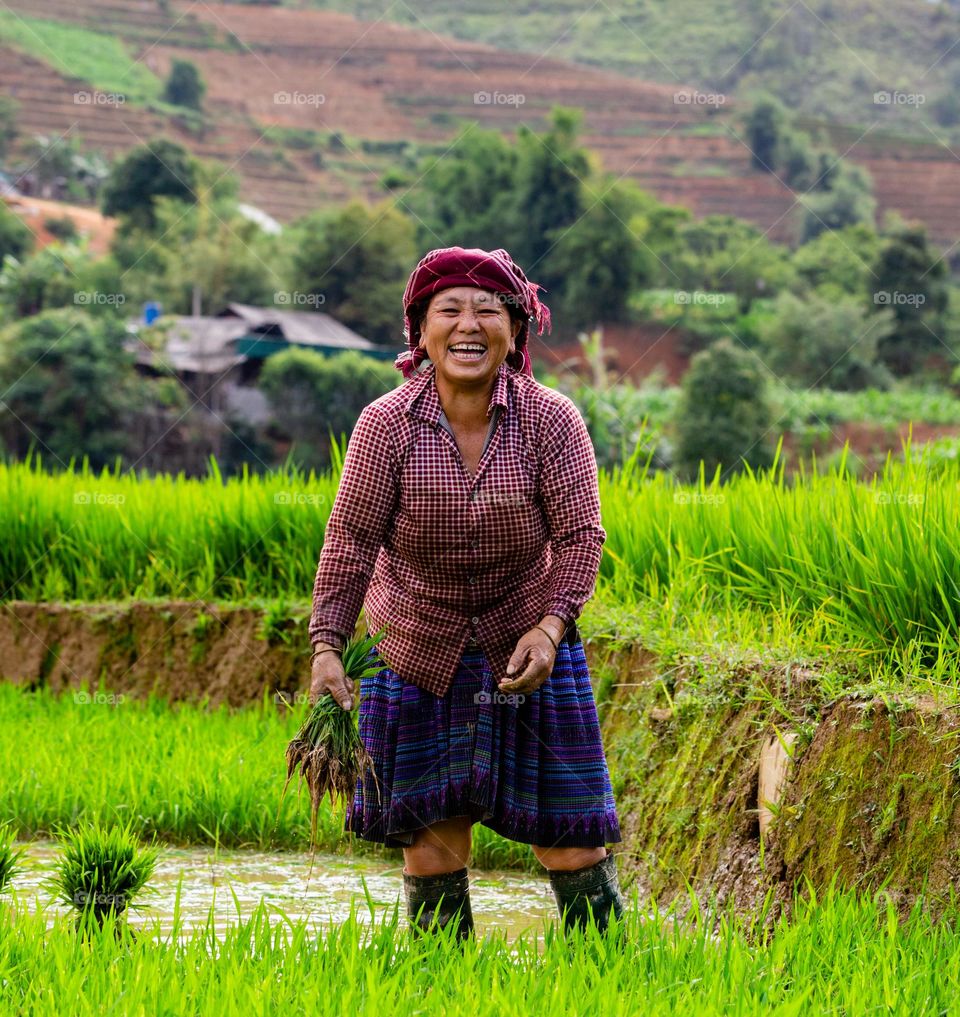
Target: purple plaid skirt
[530, 768]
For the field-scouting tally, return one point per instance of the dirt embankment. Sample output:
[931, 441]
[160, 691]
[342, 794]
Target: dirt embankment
[736, 779]
[867, 789]
[175, 649]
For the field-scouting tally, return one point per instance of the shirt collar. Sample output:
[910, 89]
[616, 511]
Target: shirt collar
[424, 399]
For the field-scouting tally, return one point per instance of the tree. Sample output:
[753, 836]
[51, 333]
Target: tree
[600, 260]
[465, 197]
[70, 387]
[587, 241]
[551, 170]
[184, 86]
[765, 126]
[354, 263]
[160, 167]
[8, 123]
[50, 278]
[312, 395]
[722, 417]
[797, 161]
[912, 280]
[15, 237]
[839, 261]
[849, 201]
[721, 253]
[207, 249]
[826, 341]
[62, 274]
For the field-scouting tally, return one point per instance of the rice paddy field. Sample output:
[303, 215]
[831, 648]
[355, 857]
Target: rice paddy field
[862, 574]
[839, 955]
[870, 567]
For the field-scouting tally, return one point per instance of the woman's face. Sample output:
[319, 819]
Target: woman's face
[464, 316]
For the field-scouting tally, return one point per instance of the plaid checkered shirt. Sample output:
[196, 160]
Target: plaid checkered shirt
[445, 560]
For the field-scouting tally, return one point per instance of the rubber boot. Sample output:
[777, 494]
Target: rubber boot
[594, 888]
[446, 897]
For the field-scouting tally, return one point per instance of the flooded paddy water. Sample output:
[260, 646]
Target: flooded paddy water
[233, 883]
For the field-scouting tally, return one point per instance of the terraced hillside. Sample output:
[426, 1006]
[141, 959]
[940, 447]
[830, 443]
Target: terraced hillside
[309, 107]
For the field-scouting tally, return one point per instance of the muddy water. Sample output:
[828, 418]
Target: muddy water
[233, 883]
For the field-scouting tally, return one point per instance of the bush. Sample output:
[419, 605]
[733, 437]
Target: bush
[839, 260]
[311, 394]
[62, 227]
[356, 258]
[184, 87]
[848, 201]
[765, 126]
[15, 237]
[723, 418]
[70, 387]
[160, 167]
[817, 341]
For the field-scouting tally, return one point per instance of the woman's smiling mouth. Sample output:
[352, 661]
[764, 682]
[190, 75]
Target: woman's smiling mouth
[467, 352]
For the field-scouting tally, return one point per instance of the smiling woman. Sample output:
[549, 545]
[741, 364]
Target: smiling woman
[467, 523]
[467, 333]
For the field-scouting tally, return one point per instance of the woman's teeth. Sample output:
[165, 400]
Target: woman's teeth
[467, 353]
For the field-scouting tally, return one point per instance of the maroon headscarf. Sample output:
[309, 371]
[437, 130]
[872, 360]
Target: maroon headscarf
[488, 270]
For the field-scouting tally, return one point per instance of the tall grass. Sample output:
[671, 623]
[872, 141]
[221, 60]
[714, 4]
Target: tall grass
[184, 773]
[843, 954]
[876, 564]
[81, 535]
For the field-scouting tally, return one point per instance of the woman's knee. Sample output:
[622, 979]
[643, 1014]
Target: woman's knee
[567, 859]
[439, 848]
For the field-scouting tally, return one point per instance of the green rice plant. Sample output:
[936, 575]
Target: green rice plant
[327, 749]
[9, 855]
[101, 870]
[839, 953]
[873, 563]
[183, 773]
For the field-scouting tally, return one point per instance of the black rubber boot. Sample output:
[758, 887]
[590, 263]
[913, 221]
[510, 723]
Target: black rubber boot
[594, 888]
[446, 897]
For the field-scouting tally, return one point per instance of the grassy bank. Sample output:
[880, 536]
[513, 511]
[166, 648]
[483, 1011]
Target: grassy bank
[844, 954]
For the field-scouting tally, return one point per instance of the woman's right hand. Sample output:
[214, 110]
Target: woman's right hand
[327, 675]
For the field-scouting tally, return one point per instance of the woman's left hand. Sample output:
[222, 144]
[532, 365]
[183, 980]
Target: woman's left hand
[533, 661]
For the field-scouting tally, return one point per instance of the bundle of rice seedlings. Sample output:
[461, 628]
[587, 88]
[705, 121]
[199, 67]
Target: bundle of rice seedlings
[101, 870]
[327, 749]
[9, 855]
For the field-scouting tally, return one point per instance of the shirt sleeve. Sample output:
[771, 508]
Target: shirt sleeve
[571, 498]
[361, 512]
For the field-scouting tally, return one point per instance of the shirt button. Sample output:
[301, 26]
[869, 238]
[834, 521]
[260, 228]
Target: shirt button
[471, 580]
[474, 543]
[474, 620]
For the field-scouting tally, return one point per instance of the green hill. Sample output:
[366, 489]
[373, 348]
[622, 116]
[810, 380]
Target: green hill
[825, 58]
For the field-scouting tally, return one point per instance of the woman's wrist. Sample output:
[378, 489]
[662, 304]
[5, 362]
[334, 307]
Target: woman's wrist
[320, 645]
[554, 626]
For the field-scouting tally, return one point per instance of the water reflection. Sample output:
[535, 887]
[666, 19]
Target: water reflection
[233, 883]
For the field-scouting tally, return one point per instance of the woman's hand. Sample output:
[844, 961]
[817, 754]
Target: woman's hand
[327, 675]
[535, 656]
